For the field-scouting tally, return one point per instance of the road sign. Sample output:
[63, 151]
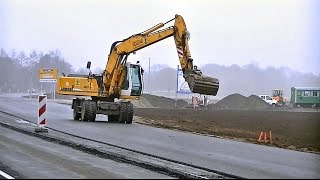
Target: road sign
[48, 75]
[48, 80]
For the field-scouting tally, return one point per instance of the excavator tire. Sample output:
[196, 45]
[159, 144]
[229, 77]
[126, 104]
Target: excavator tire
[203, 84]
[123, 112]
[130, 113]
[88, 110]
[76, 110]
[126, 112]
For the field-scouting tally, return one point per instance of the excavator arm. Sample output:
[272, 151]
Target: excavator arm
[115, 70]
[122, 80]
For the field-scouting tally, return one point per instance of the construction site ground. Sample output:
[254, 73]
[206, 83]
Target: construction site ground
[236, 117]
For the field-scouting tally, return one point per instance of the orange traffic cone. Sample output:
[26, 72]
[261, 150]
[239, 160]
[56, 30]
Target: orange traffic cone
[264, 134]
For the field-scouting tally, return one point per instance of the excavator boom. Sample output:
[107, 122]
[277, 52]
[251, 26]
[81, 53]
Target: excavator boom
[198, 83]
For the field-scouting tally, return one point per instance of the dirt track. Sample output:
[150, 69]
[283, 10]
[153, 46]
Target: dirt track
[291, 130]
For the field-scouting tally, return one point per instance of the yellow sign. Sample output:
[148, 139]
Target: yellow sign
[48, 73]
[77, 82]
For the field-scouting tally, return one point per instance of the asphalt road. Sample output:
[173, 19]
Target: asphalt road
[27, 157]
[238, 158]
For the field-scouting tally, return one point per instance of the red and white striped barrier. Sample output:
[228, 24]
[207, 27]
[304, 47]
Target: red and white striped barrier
[42, 106]
[42, 114]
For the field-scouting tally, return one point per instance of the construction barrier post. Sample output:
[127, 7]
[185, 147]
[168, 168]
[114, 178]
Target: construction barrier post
[260, 136]
[42, 115]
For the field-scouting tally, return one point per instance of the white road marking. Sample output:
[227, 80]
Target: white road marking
[7, 176]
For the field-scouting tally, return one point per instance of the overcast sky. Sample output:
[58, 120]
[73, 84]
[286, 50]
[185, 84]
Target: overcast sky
[265, 32]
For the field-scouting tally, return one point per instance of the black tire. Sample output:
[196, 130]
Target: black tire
[126, 112]
[76, 111]
[123, 112]
[273, 105]
[280, 103]
[88, 110]
[129, 113]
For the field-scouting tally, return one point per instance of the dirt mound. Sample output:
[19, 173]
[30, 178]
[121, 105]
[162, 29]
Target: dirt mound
[240, 102]
[256, 101]
[142, 102]
[164, 102]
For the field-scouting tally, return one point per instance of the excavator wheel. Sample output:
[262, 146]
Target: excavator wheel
[76, 109]
[130, 113]
[203, 84]
[126, 112]
[123, 113]
[88, 110]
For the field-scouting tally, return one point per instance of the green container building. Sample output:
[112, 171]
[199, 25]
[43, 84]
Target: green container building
[305, 96]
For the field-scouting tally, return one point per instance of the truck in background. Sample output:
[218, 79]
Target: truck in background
[268, 99]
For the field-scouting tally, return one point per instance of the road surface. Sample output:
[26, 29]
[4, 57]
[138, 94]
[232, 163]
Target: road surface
[237, 158]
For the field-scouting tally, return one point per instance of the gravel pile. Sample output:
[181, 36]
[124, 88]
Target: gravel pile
[164, 102]
[256, 101]
[240, 102]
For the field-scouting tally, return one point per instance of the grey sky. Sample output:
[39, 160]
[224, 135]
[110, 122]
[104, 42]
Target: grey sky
[265, 32]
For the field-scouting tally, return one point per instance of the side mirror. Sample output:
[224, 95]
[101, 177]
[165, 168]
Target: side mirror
[88, 65]
[195, 67]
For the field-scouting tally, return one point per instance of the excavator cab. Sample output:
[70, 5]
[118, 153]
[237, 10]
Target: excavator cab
[132, 85]
[277, 92]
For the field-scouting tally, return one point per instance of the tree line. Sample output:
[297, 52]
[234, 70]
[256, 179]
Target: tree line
[20, 72]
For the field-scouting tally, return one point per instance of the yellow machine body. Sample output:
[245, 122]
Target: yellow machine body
[77, 86]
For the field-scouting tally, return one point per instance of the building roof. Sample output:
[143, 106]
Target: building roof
[307, 88]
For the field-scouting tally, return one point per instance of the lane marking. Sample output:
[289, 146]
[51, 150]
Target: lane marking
[7, 176]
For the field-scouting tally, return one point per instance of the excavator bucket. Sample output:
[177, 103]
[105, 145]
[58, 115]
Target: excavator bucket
[202, 84]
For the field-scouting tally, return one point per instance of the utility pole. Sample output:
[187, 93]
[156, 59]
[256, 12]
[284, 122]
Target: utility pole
[149, 85]
[32, 68]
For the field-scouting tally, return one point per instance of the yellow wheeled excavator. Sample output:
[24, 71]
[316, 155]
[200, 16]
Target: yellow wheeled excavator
[121, 81]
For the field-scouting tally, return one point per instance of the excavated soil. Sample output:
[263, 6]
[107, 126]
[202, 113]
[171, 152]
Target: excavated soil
[148, 100]
[240, 118]
[240, 102]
